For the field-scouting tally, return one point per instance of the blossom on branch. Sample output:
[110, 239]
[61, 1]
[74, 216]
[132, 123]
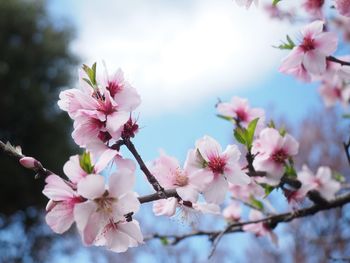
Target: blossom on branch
[272, 152]
[343, 7]
[309, 57]
[223, 165]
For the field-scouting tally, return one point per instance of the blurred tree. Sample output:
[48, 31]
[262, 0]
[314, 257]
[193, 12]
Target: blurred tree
[35, 63]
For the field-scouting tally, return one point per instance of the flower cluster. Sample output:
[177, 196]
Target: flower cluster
[103, 205]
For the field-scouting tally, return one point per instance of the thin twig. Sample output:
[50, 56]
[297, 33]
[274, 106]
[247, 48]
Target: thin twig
[39, 169]
[150, 177]
[339, 61]
[347, 149]
[273, 220]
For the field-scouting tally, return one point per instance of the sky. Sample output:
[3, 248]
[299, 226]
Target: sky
[182, 56]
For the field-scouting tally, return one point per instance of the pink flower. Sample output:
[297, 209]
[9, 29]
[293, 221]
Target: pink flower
[29, 162]
[232, 212]
[188, 183]
[331, 94]
[189, 210]
[119, 236]
[321, 182]
[311, 54]
[239, 110]
[165, 207]
[314, 7]
[246, 192]
[273, 150]
[247, 3]
[99, 217]
[99, 111]
[259, 229]
[343, 7]
[61, 205]
[224, 167]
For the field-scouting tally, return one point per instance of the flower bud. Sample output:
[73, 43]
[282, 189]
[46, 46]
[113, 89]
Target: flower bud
[29, 162]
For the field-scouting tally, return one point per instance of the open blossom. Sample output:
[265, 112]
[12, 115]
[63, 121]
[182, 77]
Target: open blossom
[273, 150]
[239, 110]
[232, 212]
[314, 7]
[100, 111]
[188, 183]
[247, 3]
[60, 208]
[223, 166]
[259, 229]
[321, 182]
[246, 192]
[333, 93]
[167, 207]
[343, 7]
[309, 57]
[101, 218]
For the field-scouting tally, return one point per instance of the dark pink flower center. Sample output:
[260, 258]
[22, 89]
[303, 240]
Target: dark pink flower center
[314, 4]
[104, 136]
[217, 164]
[279, 156]
[130, 129]
[308, 44]
[114, 87]
[241, 115]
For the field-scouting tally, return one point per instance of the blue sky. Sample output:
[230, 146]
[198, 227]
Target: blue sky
[182, 56]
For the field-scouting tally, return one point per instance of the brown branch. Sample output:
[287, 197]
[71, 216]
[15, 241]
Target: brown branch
[336, 60]
[272, 221]
[150, 177]
[155, 196]
[347, 149]
[39, 169]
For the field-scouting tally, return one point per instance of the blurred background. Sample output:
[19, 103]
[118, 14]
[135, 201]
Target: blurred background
[181, 56]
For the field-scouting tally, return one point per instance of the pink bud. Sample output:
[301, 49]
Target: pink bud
[29, 162]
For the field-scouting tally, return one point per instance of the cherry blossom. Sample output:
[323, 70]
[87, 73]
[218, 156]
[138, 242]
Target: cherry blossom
[239, 110]
[60, 208]
[343, 7]
[232, 212]
[314, 8]
[309, 57]
[99, 110]
[272, 152]
[246, 192]
[101, 215]
[259, 229]
[188, 183]
[321, 182]
[224, 167]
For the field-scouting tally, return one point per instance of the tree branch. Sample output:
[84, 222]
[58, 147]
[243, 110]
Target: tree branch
[336, 60]
[347, 148]
[39, 169]
[272, 221]
[151, 179]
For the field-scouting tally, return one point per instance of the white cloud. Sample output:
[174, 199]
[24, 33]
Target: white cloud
[178, 53]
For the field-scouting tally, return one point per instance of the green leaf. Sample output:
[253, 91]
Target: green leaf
[203, 163]
[268, 189]
[164, 241]
[290, 171]
[256, 203]
[275, 2]
[346, 116]
[224, 117]
[239, 134]
[91, 73]
[282, 131]
[250, 133]
[85, 163]
[271, 124]
[338, 177]
[289, 44]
